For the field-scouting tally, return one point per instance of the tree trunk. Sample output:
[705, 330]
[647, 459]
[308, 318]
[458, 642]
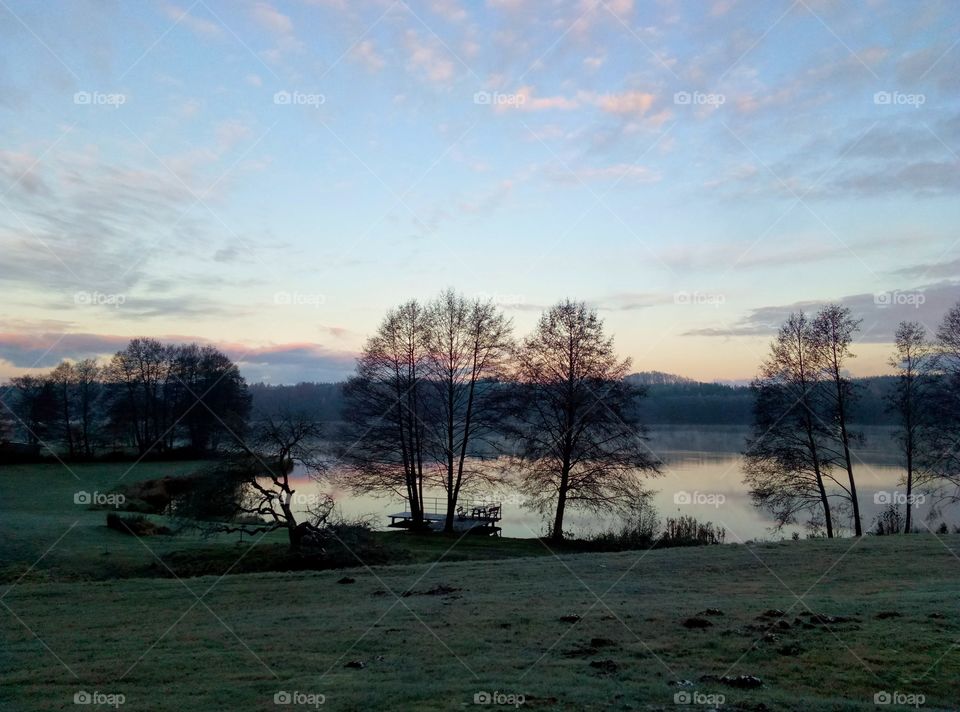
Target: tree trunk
[812, 442]
[909, 519]
[828, 520]
[845, 438]
[556, 535]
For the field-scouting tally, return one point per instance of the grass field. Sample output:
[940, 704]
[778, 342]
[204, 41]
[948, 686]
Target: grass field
[564, 632]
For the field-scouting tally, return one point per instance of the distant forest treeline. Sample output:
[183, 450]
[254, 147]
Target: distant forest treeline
[671, 399]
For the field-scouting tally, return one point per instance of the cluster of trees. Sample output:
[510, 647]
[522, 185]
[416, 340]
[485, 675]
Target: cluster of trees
[150, 396]
[798, 459]
[443, 388]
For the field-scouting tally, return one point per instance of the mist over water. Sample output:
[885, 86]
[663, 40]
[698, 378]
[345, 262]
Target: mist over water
[702, 476]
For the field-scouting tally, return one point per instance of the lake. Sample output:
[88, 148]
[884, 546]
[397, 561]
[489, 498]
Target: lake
[702, 476]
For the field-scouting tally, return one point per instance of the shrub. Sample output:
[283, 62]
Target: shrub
[137, 525]
[889, 521]
[687, 531]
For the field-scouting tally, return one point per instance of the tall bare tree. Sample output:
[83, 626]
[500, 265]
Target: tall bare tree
[580, 442]
[62, 380]
[941, 453]
[787, 464]
[34, 404]
[89, 390]
[910, 400]
[384, 410]
[832, 333]
[468, 343]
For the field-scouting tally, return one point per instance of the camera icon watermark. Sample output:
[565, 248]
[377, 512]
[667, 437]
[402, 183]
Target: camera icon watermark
[698, 98]
[699, 299]
[711, 499]
[99, 499]
[298, 98]
[98, 98]
[502, 300]
[898, 498]
[498, 698]
[295, 697]
[903, 699]
[495, 98]
[99, 299]
[896, 98]
[298, 299]
[898, 298]
[82, 697]
[692, 697]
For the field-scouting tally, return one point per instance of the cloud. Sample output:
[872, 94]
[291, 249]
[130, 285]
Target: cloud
[948, 269]
[292, 363]
[20, 171]
[366, 54]
[622, 172]
[489, 201]
[271, 19]
[198, 25]
[280, 26]
[633, 301]
[880, 312]
[449, 10]
[525, 100]
[428, 59]
[229, 133]
[44, 350]
[629, 103]
[922, 178]
[276, 363]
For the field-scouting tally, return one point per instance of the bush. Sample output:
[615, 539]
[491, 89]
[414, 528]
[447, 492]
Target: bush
[889, 521]
[136, 526]
[687, 531]
[643, 533]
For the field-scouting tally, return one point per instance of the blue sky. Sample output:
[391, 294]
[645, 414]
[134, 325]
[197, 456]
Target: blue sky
[271, 177]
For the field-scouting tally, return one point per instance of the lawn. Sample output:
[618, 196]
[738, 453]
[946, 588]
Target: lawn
[564, 632]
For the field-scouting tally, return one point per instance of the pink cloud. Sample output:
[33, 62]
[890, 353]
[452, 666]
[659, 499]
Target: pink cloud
[626, 103]
[272, 19]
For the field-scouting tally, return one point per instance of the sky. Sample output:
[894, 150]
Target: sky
[271, 177]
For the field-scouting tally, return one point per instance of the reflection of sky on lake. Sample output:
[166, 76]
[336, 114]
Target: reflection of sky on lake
[702, 476]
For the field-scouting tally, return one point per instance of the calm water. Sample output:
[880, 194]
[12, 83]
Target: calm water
[702, 476]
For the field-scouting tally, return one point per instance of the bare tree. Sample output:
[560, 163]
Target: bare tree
[62, 380]
[276, 447]
[34, 404]
[579, 437]
[940, 456]
[384, 409]
[89, 390]
[468, 343]
[832, 333]
[910, 399]
[786, 461]
[139, 374]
